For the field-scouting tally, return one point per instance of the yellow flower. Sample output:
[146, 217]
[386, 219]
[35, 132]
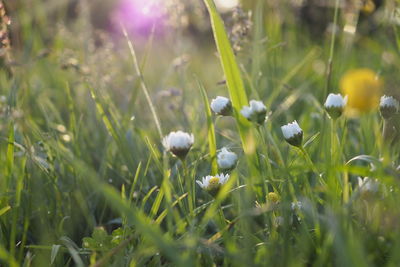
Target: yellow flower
[273, 197]
[368, 7]
[363, 89]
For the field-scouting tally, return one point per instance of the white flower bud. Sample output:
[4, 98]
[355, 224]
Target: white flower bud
[298, 205]
[368, 185]
[226, 160]
[335, 104]
[221, 106]
[178, 143]
[388, 106]
[293, 133]
[256, 112]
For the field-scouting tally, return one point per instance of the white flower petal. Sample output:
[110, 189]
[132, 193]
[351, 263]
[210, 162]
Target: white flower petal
[291, 129]
[178, 139]
[335, 100]
[368, 185]
[257, 106]
[246, 112]
[226, 159]
[254, 110]
[205, 183]
[219, 103]
[389, 101]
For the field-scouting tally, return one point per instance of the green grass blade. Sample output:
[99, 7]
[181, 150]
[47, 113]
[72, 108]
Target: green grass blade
[5, 210]
[113, 127]
[134, 216]
[110, 127]
[4, 255]
[142, 83]
[236, 89]
[231, 69]
[71, 110]
[212, 143]
[10, 151]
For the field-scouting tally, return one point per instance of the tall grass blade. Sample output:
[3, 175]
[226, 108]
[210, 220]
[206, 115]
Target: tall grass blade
[236, 89]
[231, 69]
[10, 152]
[212, 143]
[142, 82]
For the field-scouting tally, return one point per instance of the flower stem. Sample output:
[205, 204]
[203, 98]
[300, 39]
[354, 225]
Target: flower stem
[333, 165]
[340, 159]
[331, 49]
[308, 160]
[267, 161]
[189, 186]
[345, 187]
[333, 143]
[387, 133]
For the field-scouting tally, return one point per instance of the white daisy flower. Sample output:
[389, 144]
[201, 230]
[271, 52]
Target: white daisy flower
[298, 205]
[388, 106]
[256, 112]
[213, 183]
[368, 185]
[221, 106]
[226, 159]
[293, 133]
[335, 104]
[178, 143]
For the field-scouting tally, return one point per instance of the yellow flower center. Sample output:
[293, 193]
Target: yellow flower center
[368, 7]
[273, 197]
[213, 183]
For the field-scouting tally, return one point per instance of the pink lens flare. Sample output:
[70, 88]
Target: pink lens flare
[140, 16]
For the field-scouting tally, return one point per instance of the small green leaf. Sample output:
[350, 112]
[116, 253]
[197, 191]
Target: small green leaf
[54, 252]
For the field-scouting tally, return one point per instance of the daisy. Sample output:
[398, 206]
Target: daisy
[213, 183]
[335, 104]
[226, 159]
[256, 112]
[178, 143]
[221, 106]
[293, 133]
[388, 106]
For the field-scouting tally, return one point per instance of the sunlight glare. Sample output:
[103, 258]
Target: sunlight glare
[226, 5]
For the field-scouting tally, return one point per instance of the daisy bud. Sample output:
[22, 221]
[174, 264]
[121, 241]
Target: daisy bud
[335, 105]
[388, 106]
[367, 185]
[178, 143]
[221, 106]
[293, 134]
[256, 112]
[212, 184]
[226, 160]
[298, 205]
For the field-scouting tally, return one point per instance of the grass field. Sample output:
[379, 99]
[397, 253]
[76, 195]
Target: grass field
[85, 179]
